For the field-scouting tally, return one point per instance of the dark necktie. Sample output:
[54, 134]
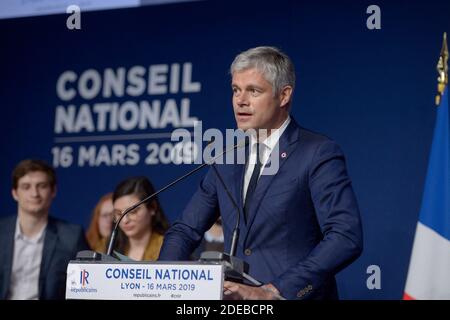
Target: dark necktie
[252, 184]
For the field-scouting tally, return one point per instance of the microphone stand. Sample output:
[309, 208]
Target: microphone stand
[96, 256]
[235, 268]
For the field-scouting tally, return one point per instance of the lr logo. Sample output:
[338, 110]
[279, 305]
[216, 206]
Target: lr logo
[84, 277]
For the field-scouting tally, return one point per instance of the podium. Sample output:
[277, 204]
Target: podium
[149, 280]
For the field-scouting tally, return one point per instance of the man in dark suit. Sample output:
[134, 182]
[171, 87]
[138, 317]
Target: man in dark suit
[36, 248]
[301, 222]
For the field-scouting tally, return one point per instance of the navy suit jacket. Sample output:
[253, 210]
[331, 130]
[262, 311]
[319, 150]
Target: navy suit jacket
[61, 243]
[303, 223]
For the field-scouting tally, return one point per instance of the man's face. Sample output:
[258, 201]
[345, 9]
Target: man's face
[34, 194]
[254, 103]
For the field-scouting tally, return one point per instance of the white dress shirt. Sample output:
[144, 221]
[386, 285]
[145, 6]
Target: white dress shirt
[266, 148]
[26, 265]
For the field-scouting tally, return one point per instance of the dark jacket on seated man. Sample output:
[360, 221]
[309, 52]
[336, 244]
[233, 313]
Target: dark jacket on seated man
[61, 243]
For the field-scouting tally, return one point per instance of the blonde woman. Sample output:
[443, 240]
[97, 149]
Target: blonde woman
[101, 224]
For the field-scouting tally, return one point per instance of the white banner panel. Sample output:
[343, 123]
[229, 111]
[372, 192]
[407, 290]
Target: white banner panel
[144, 281]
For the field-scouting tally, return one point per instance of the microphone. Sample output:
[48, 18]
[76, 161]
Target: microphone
[235, 268]
[92, 255]
[126, 211]
[236, 231]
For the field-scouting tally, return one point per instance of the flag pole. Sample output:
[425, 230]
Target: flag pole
[442, 69]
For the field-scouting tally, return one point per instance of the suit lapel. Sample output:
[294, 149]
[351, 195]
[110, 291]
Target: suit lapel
[47, 254]
[286, 146]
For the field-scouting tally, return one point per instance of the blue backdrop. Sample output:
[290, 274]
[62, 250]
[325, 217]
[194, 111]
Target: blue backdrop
[370, 90]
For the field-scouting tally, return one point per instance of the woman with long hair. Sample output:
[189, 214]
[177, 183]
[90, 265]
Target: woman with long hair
[101, 224]
[141, 231]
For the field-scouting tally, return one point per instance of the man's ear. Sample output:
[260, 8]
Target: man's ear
[14, 194]
[285, 96]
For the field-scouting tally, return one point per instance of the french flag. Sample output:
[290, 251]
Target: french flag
[429, 267]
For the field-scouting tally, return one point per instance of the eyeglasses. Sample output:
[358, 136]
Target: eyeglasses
[131, 215]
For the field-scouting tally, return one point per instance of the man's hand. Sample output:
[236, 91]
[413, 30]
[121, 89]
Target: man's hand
[237, 291]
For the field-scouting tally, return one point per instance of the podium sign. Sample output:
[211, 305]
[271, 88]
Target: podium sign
[144, 281]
